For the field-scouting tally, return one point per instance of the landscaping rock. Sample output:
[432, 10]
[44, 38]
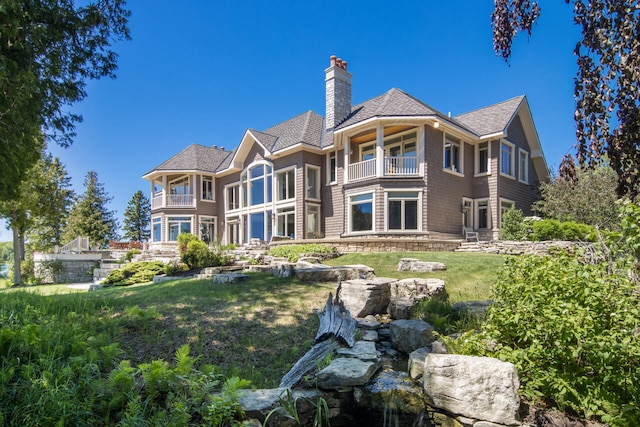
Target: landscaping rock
[282, 269]
[470, 309]
[370, 335]
[94, 287]
[346, 372]
[401, 307]
[482, 388]
[364, 297]
[308, 272]
[412, 264]
[369, 322]
[229, 278]
[410, 335]
[391, 390]
[418, 289]
[416, 362]
[363, 350]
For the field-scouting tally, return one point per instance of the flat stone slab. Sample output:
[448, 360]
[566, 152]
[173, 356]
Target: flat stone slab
[410, 335]
[391, 390]
[412, 264]
[308, 272]
[368, 322]
[363, 350]
[229, 278]
[416, 362]
[370, 335]
[346, 372]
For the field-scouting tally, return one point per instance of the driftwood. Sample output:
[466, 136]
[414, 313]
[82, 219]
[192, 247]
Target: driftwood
[336, 327]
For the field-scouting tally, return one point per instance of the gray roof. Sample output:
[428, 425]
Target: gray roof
[492, 119]
[393, 103]
[304, 128]
[196, 157]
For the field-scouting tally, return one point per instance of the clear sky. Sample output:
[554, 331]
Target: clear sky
[203, 71]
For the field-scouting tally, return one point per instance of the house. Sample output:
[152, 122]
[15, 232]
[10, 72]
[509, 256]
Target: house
[390, 167]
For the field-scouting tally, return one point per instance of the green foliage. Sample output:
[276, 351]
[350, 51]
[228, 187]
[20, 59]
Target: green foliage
[137, 218]
[89, 215]
[135, 272]
[551, 229]
[196, 254]
[183, 240]
[513, 226]
[131, 253]
[175, 267]
[288, 409]
[293, 252]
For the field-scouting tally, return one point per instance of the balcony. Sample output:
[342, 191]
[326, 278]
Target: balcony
[173, 201]
[392, 167]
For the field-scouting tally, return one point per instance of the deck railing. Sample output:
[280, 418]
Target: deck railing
[172, 201]
[393, 166]
[362, 170]
[78, 244]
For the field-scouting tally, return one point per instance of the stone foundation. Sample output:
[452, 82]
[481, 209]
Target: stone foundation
[66, 268]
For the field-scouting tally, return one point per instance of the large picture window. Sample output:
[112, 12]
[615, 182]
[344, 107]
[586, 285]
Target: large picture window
[361, 212]
[452, 154]
[156, 229]
[286, 222]
[402, 210]
[257, 185]
[208, 229]
[233, 197]
[507, 159]
[286, 182]
[313, 182]
[178, 225]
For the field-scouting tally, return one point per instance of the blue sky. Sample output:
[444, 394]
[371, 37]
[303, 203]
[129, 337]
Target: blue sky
[203, 71]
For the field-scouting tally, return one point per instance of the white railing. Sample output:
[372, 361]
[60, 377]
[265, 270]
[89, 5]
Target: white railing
[362, 170]
[157, 201]
[394, 166]
[76, 245]
[179, 200]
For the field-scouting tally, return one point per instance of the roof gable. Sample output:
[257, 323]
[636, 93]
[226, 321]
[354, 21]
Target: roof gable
[492, 119]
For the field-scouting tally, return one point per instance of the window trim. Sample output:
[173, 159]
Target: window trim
[207, 178]
[238, 186]
[468, 202]
[460, 144]
[306, 219]
[419, 199]
[512, 166]
[477, 159]
[476, 213]
[500, 209]
[277, 174]
[318, 171]
[334, 169]
[373, 212]
[168, 222]
[158, 219]
[286, 211]
[181, 178]
[212, 220]
[526, 166]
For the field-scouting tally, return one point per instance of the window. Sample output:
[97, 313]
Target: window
[505, 205]
[482, 158]
[207, 188]
[313, 221]
[208, 229]
[401, 155]
[178, 225]
[482, 213]
[467, 213]
[313, 182]
[402, 210]
[156, 229]
[452, 155]
[523, 166]
[286, 222]
[332, 167]
[367, 152]
[361, 212]
[233, 197]
[256, 185]
[180, 186]
[286, 182]
[506, 159]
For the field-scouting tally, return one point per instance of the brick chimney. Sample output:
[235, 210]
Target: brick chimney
[338, 92]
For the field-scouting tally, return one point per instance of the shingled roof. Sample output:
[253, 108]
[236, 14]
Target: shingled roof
[195, 157]
[393, 103]
[492, 119]
[305, 128]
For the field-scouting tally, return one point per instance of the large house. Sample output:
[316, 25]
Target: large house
[389, 167]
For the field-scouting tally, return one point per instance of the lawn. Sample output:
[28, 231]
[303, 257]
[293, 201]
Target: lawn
[255, 330]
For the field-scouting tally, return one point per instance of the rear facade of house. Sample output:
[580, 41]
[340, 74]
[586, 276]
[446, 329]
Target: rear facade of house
[391, 166]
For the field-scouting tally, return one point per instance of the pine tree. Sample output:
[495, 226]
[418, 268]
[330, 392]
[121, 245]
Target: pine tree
[137, 218]
[89, 215]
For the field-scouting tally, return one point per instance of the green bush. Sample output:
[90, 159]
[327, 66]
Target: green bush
[130, 254]
[514, 226]
[551, 229]
[197, 255]
[293, 252]
[183, 242]
[136, 272]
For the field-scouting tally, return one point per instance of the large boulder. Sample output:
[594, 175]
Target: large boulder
[346, 372]
[418, 288]
[391, 391]
[412, 264]
[363, 297]
[308, 272]
[482, 388]
[410, 335]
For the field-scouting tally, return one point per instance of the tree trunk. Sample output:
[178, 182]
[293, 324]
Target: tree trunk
[17, 256]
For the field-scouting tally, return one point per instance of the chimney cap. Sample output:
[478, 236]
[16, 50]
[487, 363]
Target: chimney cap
[335, 61]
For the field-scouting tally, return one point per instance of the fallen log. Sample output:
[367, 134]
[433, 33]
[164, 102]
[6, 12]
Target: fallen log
[308, 362]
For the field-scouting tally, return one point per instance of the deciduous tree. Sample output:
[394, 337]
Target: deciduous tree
[90, 216]
[607, 85]
[48, 51]
[137, 218]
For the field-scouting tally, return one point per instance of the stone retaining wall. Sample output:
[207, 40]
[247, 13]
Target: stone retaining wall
[381, 244]
[66, 268]
[510, 247]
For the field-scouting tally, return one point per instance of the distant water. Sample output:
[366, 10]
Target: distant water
[4, 269]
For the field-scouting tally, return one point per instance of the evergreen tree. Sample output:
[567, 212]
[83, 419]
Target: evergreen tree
[137, 218]
[89, 215]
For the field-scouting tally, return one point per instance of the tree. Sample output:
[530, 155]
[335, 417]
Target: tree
[137, 218]
[589, 198]
[607, 85]
[48, 50]
[89, 215]
[52, 184]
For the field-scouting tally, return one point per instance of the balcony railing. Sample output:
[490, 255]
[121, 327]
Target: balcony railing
[393, 166]
[172, 201]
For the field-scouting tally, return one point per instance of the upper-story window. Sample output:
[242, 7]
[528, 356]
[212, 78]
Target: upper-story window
[367, 152]
[286, 184]
[523, 166]
[482, 158]
[233, 197]
[332, 168]
[313, 182]
[507, 158]
[207, 188]
[452, 154]
[180, 186]
[257, 185]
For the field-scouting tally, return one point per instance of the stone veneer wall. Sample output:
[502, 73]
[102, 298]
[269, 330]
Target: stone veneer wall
[76, 268]
[381, 244]
[509, 247]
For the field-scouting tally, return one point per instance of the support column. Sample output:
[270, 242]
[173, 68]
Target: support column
[380, 151]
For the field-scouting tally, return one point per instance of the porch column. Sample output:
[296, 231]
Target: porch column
[347, 153]
[194, 192]
[421, 150]
[164, 191]
[379, 150]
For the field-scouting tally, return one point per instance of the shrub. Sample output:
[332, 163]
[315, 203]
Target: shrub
[136, 272]
[551, 229]
[130, 254]
[197, 255]
[183, 242]
[514, 226]
[293, 252]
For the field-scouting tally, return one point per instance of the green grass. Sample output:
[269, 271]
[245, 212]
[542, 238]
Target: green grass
[469, 276]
